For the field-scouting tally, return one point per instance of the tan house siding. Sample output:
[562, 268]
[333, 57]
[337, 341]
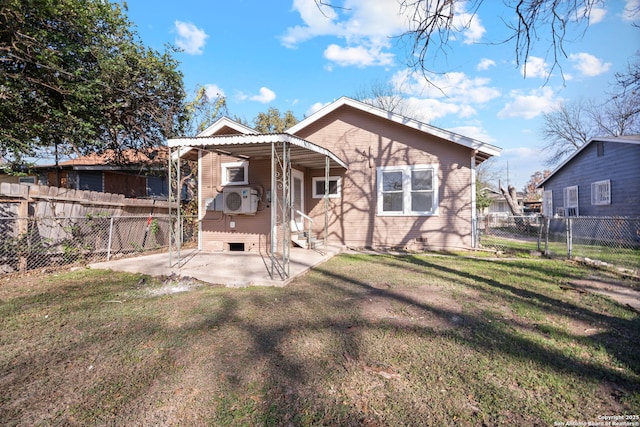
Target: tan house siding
[365, 142]
[217, 230]
[364, 139]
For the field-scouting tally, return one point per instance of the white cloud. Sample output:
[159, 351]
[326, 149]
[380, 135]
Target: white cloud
[315, 108]
[190, 38]
[427, 110]
[457, 87]
[467, 23]
[529, 106]
[366, 27]
[535, 67]
[265, 96]
[475, 132]
[213, 91]
[359, 56]
[485, 64]
[631, 10]
[588, 64]
[597, 15]
[319, 20]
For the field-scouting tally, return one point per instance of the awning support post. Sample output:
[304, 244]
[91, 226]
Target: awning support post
[326, 200]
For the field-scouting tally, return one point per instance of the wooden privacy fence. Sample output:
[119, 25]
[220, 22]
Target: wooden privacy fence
[23, 200]
[42, 226]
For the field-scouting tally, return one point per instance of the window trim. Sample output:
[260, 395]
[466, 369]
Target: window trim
[224, 167]
[567, 205]
[407, 190]
[547, 203]
[595, 192]
[316, 195]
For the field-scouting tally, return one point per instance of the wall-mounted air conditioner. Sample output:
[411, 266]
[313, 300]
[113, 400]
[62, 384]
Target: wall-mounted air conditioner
[240, 200]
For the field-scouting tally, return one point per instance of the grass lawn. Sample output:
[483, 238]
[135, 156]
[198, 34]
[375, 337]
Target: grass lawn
[628, 258]
[362, 340]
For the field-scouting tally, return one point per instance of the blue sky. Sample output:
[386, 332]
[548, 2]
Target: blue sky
[289, 55]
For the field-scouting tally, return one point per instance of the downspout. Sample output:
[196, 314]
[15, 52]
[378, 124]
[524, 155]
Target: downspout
[474, 216]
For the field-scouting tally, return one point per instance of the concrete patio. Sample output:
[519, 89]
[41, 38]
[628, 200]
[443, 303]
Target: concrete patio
[232, 269]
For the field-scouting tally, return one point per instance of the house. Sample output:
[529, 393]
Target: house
[499, 206]
[134, 173]
[351, 175]
[602, 178]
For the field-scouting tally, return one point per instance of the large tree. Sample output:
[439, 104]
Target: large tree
[432, 23]
[384, 95]
[571, 126]
[273, 121]
[203, 110]
[74, 74]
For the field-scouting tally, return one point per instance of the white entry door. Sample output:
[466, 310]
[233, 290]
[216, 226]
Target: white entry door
[297, 200]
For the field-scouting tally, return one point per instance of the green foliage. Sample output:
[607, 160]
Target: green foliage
[273, 122]
[203, 111]
[482, 199]
[74, 75]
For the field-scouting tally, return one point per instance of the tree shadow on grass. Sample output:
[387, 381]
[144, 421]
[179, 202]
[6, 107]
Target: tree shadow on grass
[280, 356]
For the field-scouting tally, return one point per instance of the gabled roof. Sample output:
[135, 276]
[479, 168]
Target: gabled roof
[225, 126]
[484, 150]
[626, 139]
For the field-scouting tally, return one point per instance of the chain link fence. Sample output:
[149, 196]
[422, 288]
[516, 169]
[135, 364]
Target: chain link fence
[33, 242]
[610, 240]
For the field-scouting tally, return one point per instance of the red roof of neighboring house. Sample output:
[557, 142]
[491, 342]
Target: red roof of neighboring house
[157, 156]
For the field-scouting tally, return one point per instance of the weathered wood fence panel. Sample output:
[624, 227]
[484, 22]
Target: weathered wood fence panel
[41, 224]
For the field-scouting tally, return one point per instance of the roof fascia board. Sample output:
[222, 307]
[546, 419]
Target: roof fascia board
[415, 124]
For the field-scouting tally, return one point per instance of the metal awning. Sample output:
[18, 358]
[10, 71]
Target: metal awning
[258, 147]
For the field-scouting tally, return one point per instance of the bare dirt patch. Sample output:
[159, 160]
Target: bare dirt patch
[617, 290]
[420, 306]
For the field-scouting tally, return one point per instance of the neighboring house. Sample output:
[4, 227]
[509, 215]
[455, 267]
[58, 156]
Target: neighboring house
[14, 179]
[499, 206]
[602, 178]
[357, 175]
[135, 174]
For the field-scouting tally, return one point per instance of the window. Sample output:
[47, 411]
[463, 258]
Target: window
[319, 187]
[547, 203]
[600, 149]
[27, 180]
[601, 192]
[235, 173]
[408, 190]
[571, 201]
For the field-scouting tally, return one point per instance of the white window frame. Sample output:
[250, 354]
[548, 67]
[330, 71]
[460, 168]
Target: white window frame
[601, 192]
[224, 167]
[317, 179]
[407, 190]
[547, 203]
[571, 201]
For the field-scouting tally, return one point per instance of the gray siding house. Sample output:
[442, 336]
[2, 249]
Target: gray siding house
[602, 178]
